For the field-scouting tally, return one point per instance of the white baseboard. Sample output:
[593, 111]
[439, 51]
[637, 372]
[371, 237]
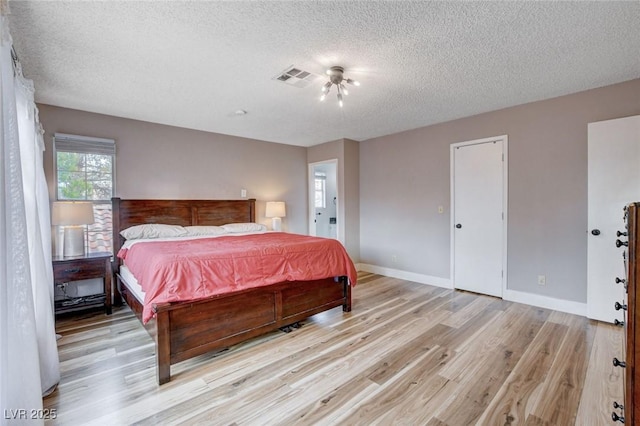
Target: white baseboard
[540, 301]
[404, 275]
[532, 299]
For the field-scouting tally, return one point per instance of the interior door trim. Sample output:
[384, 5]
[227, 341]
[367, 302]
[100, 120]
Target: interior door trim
[505, 203]
[311, 226]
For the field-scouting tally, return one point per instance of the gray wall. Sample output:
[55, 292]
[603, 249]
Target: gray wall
[158, 161]
[392, 185]
[405, 177]
[347, 152]
[351, 184]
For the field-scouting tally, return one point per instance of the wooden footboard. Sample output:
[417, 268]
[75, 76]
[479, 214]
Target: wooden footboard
[188, 329]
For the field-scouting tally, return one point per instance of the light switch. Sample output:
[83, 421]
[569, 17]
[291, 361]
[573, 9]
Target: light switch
[243, 193]
[440, 209]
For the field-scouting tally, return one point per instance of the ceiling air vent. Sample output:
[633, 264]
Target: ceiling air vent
[296, 77]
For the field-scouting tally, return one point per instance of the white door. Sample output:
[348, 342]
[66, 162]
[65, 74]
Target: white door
[614, 181]
[323, 196]
[478, 186]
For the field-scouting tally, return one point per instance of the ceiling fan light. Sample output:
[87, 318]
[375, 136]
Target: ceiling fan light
[344, 89]
[322, 97]
[326, 86]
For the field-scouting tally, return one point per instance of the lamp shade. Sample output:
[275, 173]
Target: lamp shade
[72, 213]
[275, 209]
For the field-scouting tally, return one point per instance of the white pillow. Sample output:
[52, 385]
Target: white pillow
[153, 230]
[244, 227]
[204, 230]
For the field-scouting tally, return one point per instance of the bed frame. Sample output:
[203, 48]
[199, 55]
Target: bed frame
[184, 330]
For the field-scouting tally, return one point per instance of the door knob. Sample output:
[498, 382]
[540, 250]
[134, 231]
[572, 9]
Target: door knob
[595, 231]
[458, 225]
[618, 280]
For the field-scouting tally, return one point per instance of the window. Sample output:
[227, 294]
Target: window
[84, 168]
[320, 190]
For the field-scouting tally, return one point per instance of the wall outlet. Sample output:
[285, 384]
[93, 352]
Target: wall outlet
[243, 193]
[394, 259]
[542, 280]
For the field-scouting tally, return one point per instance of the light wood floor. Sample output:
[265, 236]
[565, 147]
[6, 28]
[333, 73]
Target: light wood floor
[408, 354]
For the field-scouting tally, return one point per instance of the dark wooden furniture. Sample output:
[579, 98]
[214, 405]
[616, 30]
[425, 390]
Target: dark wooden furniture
[95, 265]
[629, 412]
[187, 329]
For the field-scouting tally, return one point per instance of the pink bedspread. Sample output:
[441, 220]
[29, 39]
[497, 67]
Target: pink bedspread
[172, 271]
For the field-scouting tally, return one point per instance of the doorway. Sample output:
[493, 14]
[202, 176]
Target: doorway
[323, 199]
[613, 182]
[479, 215]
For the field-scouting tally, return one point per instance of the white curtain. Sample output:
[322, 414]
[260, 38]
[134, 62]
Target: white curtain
[29, 365]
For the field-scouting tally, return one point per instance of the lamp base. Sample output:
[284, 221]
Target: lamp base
[276, 224]
[73, 241]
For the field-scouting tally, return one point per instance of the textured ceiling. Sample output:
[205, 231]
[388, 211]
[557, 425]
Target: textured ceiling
[192, 64]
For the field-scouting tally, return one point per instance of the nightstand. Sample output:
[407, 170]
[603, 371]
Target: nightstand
[94, 265]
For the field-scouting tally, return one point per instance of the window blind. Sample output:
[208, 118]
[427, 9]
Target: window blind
[83, 144]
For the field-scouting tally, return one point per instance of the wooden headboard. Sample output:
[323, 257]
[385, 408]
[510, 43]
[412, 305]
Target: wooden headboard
[128, 213]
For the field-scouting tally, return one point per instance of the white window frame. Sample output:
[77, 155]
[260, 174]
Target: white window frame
[322, 178]
[63, 142]
[86, 145]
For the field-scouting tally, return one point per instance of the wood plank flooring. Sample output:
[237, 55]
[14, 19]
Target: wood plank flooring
[407, 354]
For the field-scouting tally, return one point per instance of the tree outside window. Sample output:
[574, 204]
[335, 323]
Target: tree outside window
[84, 176]
[84, 172]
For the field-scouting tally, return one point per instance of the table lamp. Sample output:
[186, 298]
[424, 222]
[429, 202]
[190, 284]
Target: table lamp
[276, 211]
[73, 216]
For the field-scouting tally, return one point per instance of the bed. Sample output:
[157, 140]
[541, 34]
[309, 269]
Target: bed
[185, 329]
